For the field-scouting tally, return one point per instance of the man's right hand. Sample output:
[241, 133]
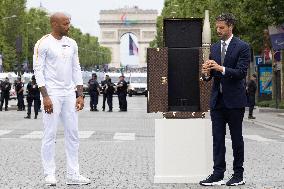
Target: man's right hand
[206, 68]
[47, 104]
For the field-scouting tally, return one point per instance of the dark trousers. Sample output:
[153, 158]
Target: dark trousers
[104, 100]
[234, 117]
[122, 101]
[251, 103]
[32, 100]
[6, 99]
[109, 101]
[21, 103]
[94, 101]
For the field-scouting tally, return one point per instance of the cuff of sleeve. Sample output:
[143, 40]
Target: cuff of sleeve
[223, 73]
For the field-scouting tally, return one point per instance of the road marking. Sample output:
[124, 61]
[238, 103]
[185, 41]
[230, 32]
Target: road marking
[258, 138]
[85, 134]
[124, 136]
[33, 135]
[4, 132]
[228, 140]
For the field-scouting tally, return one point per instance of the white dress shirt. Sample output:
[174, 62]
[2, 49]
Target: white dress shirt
[226, 47]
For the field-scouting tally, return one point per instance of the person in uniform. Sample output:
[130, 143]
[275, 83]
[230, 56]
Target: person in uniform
[122, 93]
[33, 96]
[103, 84]
[57, 71]
[5, 94]
[109, 90]
[19, 86]
[94, 91]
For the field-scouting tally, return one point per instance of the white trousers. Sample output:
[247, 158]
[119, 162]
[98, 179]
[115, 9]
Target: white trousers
[64, 110]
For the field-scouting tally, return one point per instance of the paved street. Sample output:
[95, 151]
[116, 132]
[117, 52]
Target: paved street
[117, 150]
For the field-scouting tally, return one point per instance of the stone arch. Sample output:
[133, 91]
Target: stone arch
[115, 23]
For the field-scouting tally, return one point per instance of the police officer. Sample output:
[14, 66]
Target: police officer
[19, 86]
[94, 91]
[122, 93]
[103, 84]
[109, 90]
[5, 87]
[33, 96]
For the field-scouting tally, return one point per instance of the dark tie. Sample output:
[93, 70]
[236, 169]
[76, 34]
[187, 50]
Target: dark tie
[223, 54]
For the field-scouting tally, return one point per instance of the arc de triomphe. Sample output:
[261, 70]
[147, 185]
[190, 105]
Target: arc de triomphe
[115, 23]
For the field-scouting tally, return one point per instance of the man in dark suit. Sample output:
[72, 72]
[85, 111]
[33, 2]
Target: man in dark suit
[227, 65]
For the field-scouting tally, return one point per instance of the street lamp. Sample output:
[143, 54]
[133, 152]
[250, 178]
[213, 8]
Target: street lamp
[27, 48]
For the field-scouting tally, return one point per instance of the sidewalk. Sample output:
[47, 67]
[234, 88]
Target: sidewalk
[270, 117]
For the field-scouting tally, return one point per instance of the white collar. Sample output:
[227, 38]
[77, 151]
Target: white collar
[228, 40]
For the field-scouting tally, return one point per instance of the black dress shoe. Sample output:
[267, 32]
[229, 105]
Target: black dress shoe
[110, 111]
[35, 117]
[251, 117]
[28, 117]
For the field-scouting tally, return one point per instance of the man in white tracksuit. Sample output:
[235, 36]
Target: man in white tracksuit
[58, 72]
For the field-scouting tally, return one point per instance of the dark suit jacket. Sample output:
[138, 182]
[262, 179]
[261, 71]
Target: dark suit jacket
[236, 63]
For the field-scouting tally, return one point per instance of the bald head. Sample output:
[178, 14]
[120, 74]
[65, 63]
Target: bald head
[60, 23]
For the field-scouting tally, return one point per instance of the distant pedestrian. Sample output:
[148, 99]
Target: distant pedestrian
[5, 94]
[251, 90]
[19, 86]
[122, 93]
[94, 91]
[33, 97]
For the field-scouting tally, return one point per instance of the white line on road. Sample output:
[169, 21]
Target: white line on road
[228, 140]
[4, 132]
[124, 136]
[85, 134]
[258, 138]
[34, 135]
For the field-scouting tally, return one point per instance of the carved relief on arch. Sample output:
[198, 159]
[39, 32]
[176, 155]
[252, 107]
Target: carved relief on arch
[135, 32]
[108, 35]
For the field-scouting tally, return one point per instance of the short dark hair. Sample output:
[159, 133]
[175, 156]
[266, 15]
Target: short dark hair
[229, 18]
[254, 75]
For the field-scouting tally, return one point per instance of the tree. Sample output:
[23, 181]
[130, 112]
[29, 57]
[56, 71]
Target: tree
[12, 14]
[253, 16]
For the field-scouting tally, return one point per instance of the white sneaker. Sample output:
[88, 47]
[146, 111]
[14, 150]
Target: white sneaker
[50, 180]
[77, 180]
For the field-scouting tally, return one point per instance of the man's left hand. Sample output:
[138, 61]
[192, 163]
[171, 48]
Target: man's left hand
[79, 103]
[215, 66]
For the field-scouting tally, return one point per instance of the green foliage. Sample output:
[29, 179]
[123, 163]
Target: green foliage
[270, 104]
[253, 16]
[90, 52]
[31, 25]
